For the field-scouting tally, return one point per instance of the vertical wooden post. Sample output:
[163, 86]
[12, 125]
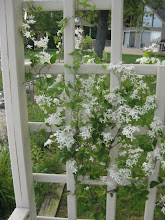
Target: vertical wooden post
[116, 36]
[160, 112]
[69, 46]
[116, 58]
[15, 103]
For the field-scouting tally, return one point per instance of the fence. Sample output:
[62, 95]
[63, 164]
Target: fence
[13, 68]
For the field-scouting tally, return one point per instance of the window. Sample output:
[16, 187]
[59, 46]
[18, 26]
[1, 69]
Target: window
[150, 37]
[150, 19]
[129, 39]
[157, 22]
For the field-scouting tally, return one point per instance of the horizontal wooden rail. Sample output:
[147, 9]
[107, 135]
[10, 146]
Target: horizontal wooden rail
[45, 69]
[62, 178]
[89, 69]
[19, 214]
[57, 5]
[49, 178]
[54, 218]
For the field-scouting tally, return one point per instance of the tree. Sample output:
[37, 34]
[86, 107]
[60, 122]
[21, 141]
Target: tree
[133, 14]
[101, 33]
[47, 22]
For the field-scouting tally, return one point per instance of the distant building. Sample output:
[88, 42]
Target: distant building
[153, 30]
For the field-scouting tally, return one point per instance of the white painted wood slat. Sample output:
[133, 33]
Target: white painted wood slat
[62, 178]
[49, 178]
[160, 112]
[47, 5]
[15, 103]
[20, 214]
[57, 5]
[69, 47]
[54, 218]
[56, 69]
[116, 58]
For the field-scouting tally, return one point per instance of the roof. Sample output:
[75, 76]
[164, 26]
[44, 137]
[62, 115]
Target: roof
[161, 13]
[159, 10]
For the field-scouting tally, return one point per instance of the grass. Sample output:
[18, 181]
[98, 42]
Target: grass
[126, 58]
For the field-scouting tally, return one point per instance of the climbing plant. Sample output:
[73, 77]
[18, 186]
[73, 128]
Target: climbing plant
[101, 118]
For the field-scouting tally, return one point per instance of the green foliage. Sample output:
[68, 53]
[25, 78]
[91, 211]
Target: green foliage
[7, 200]
[44, 160]
[87, 3]
[47, 22]
[35, 113]
[53, 58]
[87, 40]
[1, 83]
[92, 200]
[134, 11]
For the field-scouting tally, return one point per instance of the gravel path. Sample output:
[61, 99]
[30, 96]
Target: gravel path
[3, 132]
[131, 51]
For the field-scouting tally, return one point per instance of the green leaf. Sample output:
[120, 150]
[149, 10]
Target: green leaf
[104, 67]
[67, 66]
[80, 124]
[38, 84]
[72, 53]
[93, 8]
[76, 67]
[32, 33]
[111, 194]
[98, 60]
[53, 58]
[153, 184]
[71, 105]
[87, 40]
[70, 71]
[85, 3]
[70, 86]
[72, 124]
[67, 91]
[161, 180]
[94, 54]
[52, 89]
[79, 3]
[89, 5]
[154, 142]
[56, 39]
[104, 55]
[40, 8]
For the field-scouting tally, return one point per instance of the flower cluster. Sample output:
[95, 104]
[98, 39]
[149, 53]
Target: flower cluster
[101, 118]
[153, 48]
[95, 113]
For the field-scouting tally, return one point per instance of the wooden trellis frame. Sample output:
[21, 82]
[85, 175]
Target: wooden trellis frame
[13, 68]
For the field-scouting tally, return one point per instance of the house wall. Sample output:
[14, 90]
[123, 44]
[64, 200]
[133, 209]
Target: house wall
[163, 32]
[152, 24]
[139, 32]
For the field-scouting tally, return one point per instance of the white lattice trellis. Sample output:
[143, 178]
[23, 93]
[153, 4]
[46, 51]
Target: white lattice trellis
[13, 68]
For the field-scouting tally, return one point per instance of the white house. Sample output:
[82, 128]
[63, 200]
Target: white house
[153, 30]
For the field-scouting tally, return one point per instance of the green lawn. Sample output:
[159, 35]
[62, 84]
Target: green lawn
[126, 58]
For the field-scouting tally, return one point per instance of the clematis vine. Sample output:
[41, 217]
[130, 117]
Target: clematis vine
[101, 119]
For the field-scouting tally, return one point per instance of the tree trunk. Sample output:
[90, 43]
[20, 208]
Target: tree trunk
[101, 33]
